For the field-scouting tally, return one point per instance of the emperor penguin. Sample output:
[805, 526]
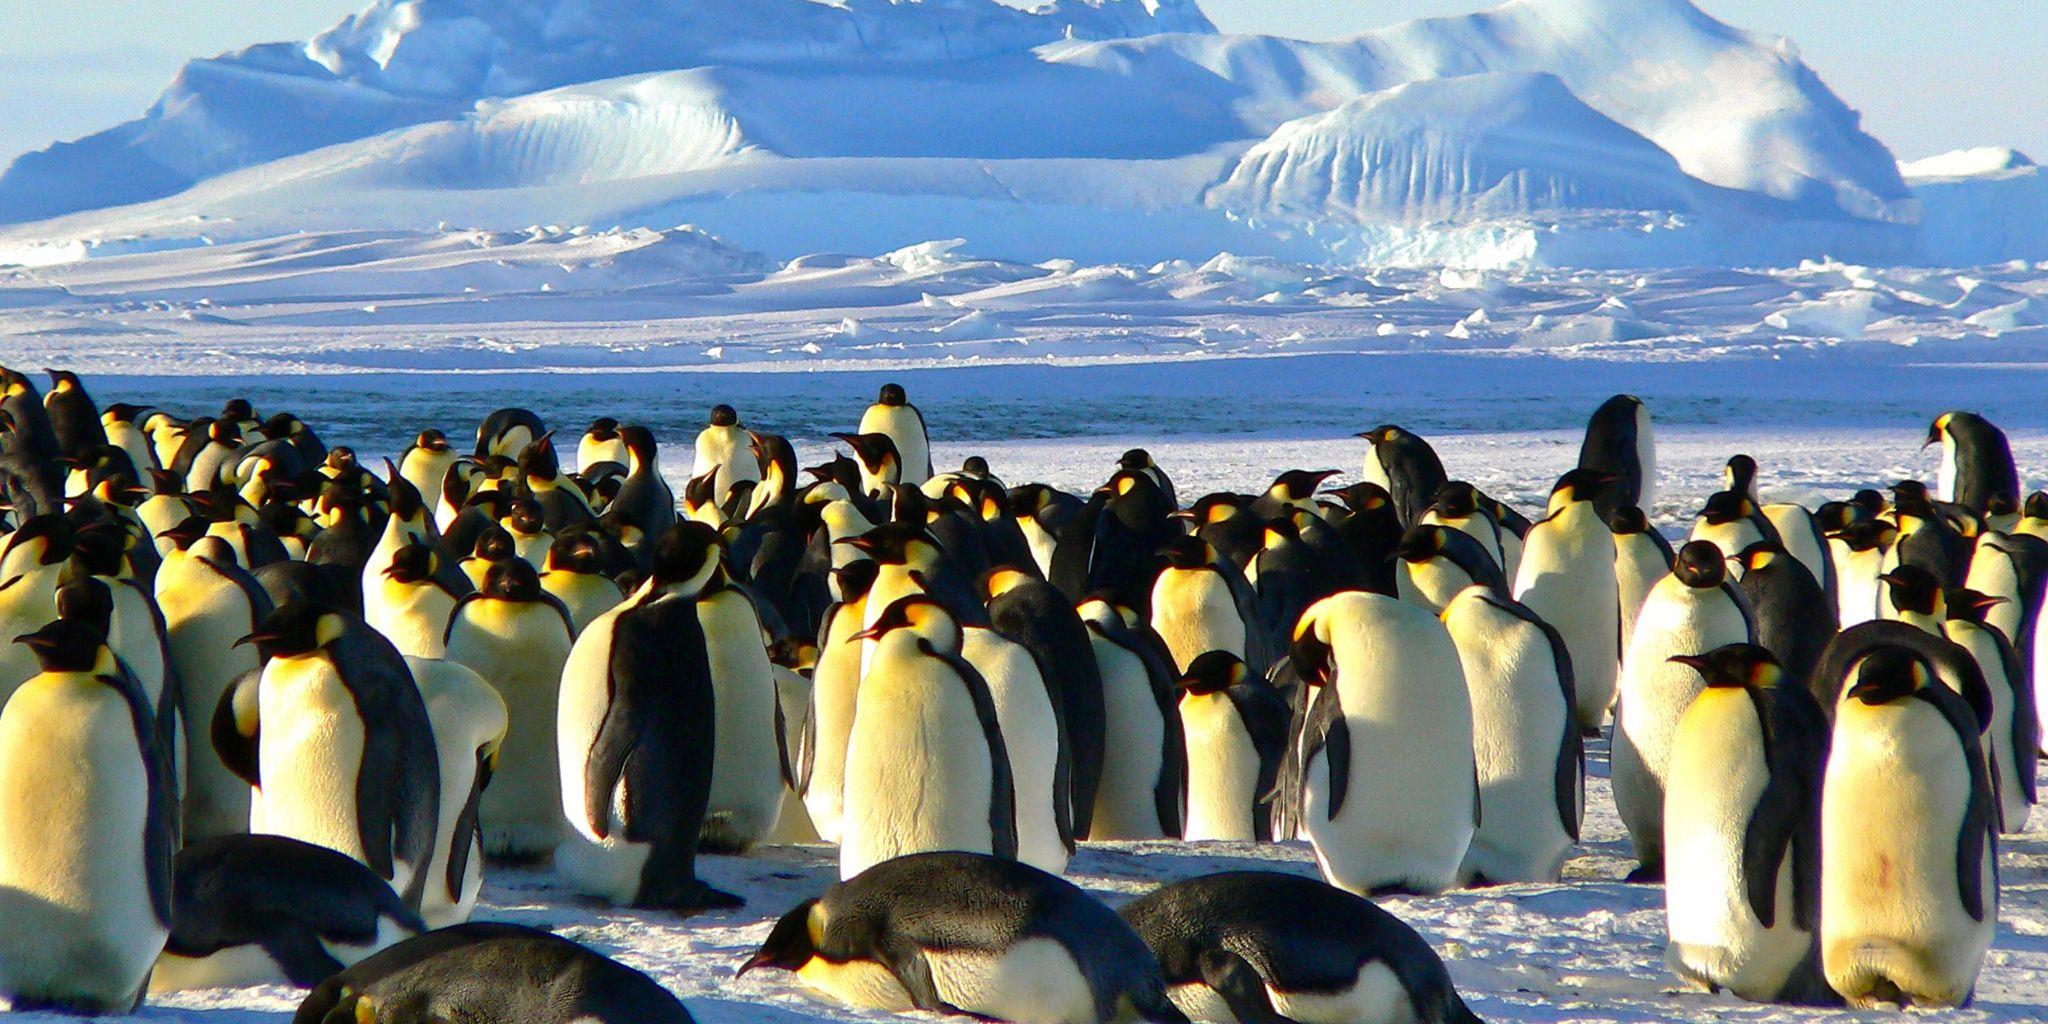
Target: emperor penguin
[1201, 603]
[1437, 563]
[835, 690]
[267, 910]
[107, 594]
[881, 467]
[409, 521]
[1909, 897]
[505, 432]
[645, 507]
[1040, 765]
[208, 602]
[1036, 615]
[1295, 488]
[560, 498]
[964, 933]
[517, 637]
[1927, 538]
[119, 423]
[600, 443]
[413, 600]
[575, 576]
[491, 972]
[927, 767]
[1567, 578]
[725, 450]
[1641, 557]
[1694, 610]
[893, 415]
[1144, 752]
[526, 521]
[636, 741]
[74, 419]
[1795, 616]
[2013, 566]
[1234, 728]
[1406, 467]
[1458, 505]
[2013, 739]
[334, 736]
[425, 463]
[1732, 521]
[88, 812]
[32, 563]
[1263, 946]
[470, 721]
[1976, 463]
[1040, 511]
[1621, 445]
[1859, 552]
[1525, 741]
[746, 779]
[1390, 796]
[1742, 831]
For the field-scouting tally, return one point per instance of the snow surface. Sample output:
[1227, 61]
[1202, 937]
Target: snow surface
[1553, 131]
[1588, 949]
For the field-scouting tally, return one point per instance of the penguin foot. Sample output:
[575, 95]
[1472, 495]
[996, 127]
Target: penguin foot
[693, 898]
[1646, 874]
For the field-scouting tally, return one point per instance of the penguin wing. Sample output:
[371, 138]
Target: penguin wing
[2026, 726]
[1571, 753]
[1977, 839]
[1267, 717]
[468, 827]
[1002, 805]
[784, 757]
[238, 749]
[1074, 549]
[1796, 739]
[161, 821]
[398, 788]
[1240, 985]
[1285, 797]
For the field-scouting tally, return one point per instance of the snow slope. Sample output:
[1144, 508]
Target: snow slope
[1981, 205]
[1088, 129]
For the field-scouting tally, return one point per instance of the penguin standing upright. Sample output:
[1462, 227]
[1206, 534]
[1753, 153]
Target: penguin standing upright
[1036, 615]
[505, 432]
[469, 723]
[1144, 753]
[1263, 946]
[1201, 603]
[635, 738]
[1742, 831]
[835, 690]
[74, 419]
[1977, 470]
[209, 602]
[1909, 896]
[1040, 762]
[517, 637]
[644, 507]
[893, 415]
[1406, 467]
[1694, 610]
[1525, 740]
[2013, 738]
[424, 464]
[1234, 727]
[1795, 617]
[1390, 798]
[746, 780]
[600, 443]
[1567, 577]
[963, 933]
[725, 451]
[923, 706]
[1620, 444]
[1859, 552]
[1437, 563]
[88, 824]
[334, 736]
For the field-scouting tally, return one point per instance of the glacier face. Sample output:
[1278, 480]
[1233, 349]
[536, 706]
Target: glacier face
[1607, 132]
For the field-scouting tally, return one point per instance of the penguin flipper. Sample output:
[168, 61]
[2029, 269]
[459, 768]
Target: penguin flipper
[1239, 984]
[161, 819]
[1326, 732]
[1002, 804]
[468, 828]
[238, 749]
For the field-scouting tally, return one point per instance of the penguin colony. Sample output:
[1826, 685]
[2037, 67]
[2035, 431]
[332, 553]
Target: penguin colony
[270, 713]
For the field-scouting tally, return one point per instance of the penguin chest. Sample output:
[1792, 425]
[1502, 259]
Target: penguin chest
[1892, 804]
[1377, 995]
[1034, 981]
[918, 775]
[1194, 612]
[862, 984]
[1677, 620]
[73, 799]
[1223, 769]
[309, 755]
[413, 616]
[1134, 752]
[746, 780]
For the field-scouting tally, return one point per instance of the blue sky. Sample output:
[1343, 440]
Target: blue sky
[1928, 75]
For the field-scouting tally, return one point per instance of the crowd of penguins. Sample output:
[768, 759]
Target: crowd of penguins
[270, 712]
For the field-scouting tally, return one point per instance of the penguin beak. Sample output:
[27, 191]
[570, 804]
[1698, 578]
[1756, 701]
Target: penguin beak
[254, 638]
[1692, 661]
[1182, 513]
[761, 958]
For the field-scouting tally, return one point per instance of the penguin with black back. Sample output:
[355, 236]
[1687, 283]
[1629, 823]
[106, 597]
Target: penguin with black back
[1406, 467]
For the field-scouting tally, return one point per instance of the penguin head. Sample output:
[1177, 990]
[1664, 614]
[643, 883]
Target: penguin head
[577, 551]
[1914, 589]
[1724, 507]
[432, 440]
[121, 412]
[793, 942]
[1365, 497]
[1739, 475]
[1456, 500]
[1187, 553]
[892, 396]
[1867, 535]
[406, 502]
[412, 563]
[225, 432]
[1385, 433]
[1137, 460]
[1628, 521]
[975, 466]
[494, 544]
[1577, 486]
[62, 381]
[1938, 428]
[1280, 531]
[237, 410]
[68, 645]
[341, 463]
[686, 554]
[511, 579]
[1211, 509]
[1213, 672]
[296, 629]
[100, 549]
[854, 579]
[1833, 516]
[183, 533]
[1310, 651]
[1421, 544]
[877, 452]
[2036, 506]
[1966, 605]
[526, 518]
[603, 428]
[922, 615]
[1700, 565]
[40, 540]
[1734, 665]
[639, 442]
[1760, 555]
[1001, 580]
[793, 653]
[724, 416]
[1299, 484]
[897, 544]
[281, 426]
[89, 601]
[1888, 674]
[538, 461]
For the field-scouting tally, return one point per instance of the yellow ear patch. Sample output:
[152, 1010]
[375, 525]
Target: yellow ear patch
[328, 629]
[1124, 485]
[366, 1011]
[1002, 581]
[814, 924]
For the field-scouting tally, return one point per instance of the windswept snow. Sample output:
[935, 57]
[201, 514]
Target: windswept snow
[1567, 132]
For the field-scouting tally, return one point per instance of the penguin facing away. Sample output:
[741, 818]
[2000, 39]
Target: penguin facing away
[962, 933]
[1260, 947]
[1742, 831]
[1976, 463]
[1621, 445]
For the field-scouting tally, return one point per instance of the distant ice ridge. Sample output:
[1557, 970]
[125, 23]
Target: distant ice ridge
[1978, 206]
